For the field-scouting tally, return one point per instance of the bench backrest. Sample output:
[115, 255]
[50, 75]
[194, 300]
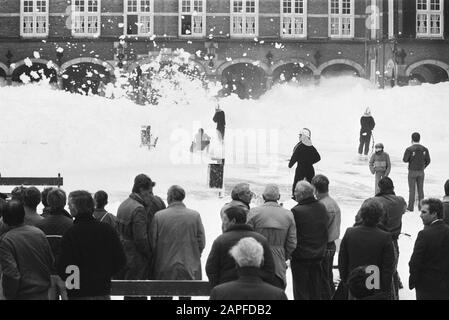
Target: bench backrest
[32, 181]
[162, 288]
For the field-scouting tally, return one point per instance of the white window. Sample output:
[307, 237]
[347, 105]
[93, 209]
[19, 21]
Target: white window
[429, 18]
[139, 17]
[86, 18]
[34, 18]
[341, 18]
[192, 18]
[294, 18]
[244, 18]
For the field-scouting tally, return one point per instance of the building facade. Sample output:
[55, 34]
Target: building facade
[249, 43]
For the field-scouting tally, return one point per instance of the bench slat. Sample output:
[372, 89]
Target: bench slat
[188, 288]
[31, 181]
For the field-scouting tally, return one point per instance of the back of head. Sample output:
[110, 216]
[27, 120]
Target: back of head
[271, 193]
[385, 184]
[101, 199]
[367, 112]
[31, 197]
[446, 188]
[17, 193]
[371, 212]
[2, 206]
[45, 193]
[416, 137]
[238, 190]
[13, 213]
[175, 194]
[357, 283]
[248, 252]
[321, 183]
[303, 190]
[435, 206]
[83, 203]
[238, 214]
[142, 182]
[57, 199]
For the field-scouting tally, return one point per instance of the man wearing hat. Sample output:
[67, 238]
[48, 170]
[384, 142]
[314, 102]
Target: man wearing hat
[379, 165]
[134, 217]
[306, 156]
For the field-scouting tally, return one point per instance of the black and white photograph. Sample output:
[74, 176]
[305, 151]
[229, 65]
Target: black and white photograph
[241, 151]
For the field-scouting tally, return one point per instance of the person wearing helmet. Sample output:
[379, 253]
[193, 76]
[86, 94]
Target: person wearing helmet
[379, 164]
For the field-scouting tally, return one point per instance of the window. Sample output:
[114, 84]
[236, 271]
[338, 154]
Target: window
[244, 18]
[341, 18]
[294, 18]
[139, 17]
[86, 19]
[429, 18]
[192, 18]
[34, 18]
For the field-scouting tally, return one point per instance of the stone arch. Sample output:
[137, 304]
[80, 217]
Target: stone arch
[306, 63]
[23, 64]
[348, 62]
[256, 63]
[302, 71]
[4, 68]
[415, 65]
[150, 59]
[106, 65]
[247, 80]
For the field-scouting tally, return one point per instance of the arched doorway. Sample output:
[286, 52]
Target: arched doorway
[34, 72]
[85, 78]
[293, 72]
[244, 79]
[429, 73]
[339, 70]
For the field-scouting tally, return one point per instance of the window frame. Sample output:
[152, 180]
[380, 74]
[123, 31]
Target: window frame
[191, 13]
[244, 16]
[428, 12]
[294, 15]
[34, 15]
[86, 16]
[139, 13]
[340, 17]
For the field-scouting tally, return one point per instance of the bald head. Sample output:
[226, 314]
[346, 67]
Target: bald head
[271, 193]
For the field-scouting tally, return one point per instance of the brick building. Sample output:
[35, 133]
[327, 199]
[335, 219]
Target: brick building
[249, 43]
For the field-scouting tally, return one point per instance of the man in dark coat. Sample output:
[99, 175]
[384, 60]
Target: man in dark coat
[446, 202]
[367, 245]
[134, 217]
[418, 158]
[306, 156]
[220, 266]
[26, 261]
[220, 120]
[93, 247]
[429, 264]
[367, 124]
[248, 255]
[394, 208]
[312, 222]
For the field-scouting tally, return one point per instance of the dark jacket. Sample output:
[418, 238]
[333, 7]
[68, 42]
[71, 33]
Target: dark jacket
[429, 264]
[417, 156]
[305, 156]
[55, 225]
[312, 222]
[367, 124]
[26, 263]
[134, 219]
[95, 249]
[446, 209]
[221, 267]
[362, 246]
[178, 240]
[394, 207]
[219, 119]
[105, 217]
[249, 286]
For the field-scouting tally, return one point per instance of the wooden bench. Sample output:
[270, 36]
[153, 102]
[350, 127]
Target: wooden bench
[160, 288]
